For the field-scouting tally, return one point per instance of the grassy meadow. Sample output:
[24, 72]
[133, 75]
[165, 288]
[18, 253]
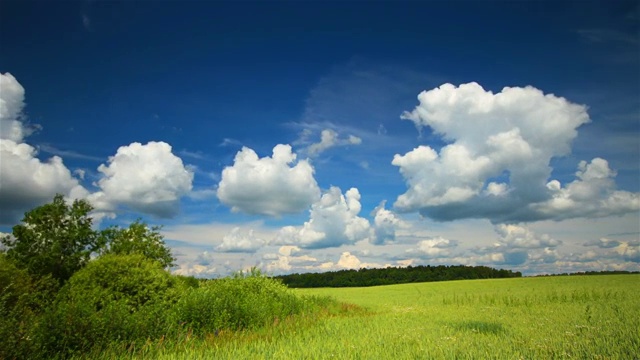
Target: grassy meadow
[568, 317]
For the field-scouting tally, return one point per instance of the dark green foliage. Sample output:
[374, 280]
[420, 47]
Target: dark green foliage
[392, 275]
[15, 311]
[15, 283]
[22, 298]
[55, 239]
[138, 238]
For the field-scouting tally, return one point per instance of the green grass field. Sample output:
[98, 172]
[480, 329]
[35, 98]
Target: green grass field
[576, 317]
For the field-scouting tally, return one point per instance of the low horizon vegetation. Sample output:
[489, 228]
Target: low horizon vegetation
[393, 275]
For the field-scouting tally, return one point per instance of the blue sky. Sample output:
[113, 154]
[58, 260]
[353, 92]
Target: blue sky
[313, 136]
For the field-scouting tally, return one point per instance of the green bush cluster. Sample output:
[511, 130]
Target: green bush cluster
[67, 290]
[237, 303]
[129, 300]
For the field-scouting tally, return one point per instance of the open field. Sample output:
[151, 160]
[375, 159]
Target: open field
[576, 317]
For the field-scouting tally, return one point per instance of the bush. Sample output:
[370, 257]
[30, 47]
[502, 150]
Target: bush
[116, 298]
[74, 328]
[236, 303]
[123, 301]
[15, 287]
[14, 283]
[132, 279]
[22, 299]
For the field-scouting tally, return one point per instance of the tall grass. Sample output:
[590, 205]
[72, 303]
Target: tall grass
[583, 317]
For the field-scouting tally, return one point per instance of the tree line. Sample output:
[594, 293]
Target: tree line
[394, 275]
[603, 272]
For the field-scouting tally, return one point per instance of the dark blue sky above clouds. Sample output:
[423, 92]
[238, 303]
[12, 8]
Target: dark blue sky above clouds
[172, 111]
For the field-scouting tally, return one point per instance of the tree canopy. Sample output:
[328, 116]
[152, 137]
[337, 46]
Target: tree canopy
[138, 238]
[58, 239]
[54, 239]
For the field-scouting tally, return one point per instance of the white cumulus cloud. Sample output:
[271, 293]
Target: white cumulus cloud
[25, 180]
[287, 259]
[496, 162]
[519, 245]
[333, 221]
[592, 194]
[386, 223]
[437, 247]
[348, 261]
[272, 186]
[147, 178]
[521, 237]
[237, 241]
[11, 106]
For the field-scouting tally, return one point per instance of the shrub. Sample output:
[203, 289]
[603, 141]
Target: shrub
[116, 298]
[22, 299]
[132, 279]
[236, 303]
[15, 312]
[14, 283]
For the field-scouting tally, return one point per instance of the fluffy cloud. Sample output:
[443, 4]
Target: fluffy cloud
[269, 185]
[333, 221]
[620, 251]
[146, 178]
[592, 194]
[546, 256]
[629, 251]
[236, 241]
[11, 105]
[328, 139]
[386, 223]
[288, 258]
[518, 245]
[520, 237]
[25, 180]
[496, 164]
[437, 247]
[349, 261]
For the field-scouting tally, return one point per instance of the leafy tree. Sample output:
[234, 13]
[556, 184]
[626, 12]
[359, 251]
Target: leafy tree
[54, 239]
[138, 238]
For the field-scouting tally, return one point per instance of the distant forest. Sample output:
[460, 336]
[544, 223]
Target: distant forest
[394, 275]
[604, 272]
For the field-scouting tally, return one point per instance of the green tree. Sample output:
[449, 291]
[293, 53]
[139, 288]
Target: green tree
[138, 238]
[54, 239]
